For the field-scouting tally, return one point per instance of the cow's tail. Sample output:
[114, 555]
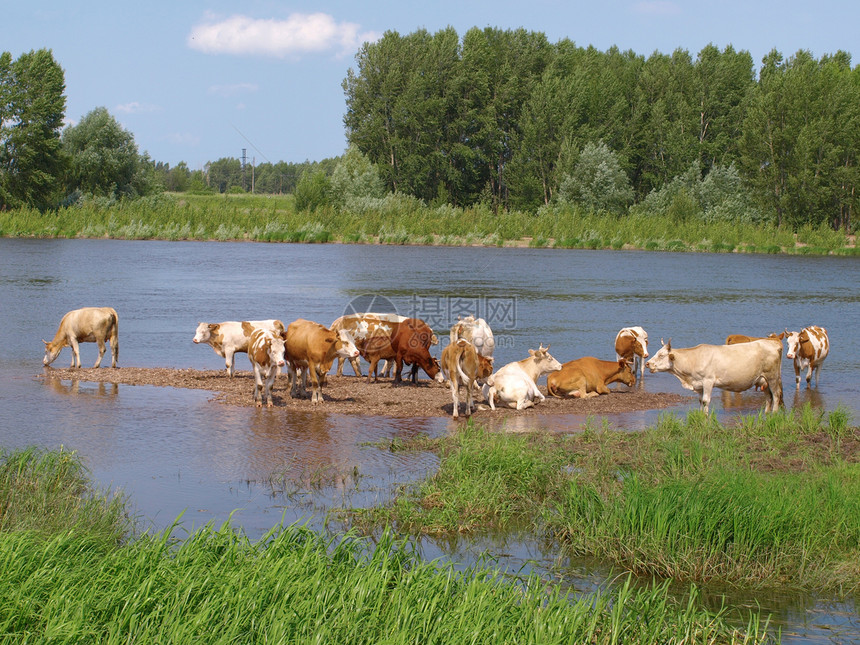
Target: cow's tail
[550, 389]
[114, 324]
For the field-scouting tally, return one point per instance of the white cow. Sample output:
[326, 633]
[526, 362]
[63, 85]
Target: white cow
[87, 325]
[228, 338]
[808, 347]
[266, 353]
[631, 344]
[515, 384]
[477, 332]
[735, 368]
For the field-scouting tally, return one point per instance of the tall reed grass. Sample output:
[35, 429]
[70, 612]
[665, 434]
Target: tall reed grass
[771, 500]
[403, 220]
[69, 584]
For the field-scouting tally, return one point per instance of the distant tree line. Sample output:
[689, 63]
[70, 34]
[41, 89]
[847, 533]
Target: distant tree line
[505, 118]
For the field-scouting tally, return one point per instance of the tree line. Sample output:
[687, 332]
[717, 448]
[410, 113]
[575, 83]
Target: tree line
[505, 117]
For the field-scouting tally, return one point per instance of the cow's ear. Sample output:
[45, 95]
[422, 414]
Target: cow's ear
[671, 357]
[283, 334]
[214, 326]
[532, 352]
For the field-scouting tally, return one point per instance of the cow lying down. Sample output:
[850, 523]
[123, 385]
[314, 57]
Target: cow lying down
[589, 377]
[515, 384]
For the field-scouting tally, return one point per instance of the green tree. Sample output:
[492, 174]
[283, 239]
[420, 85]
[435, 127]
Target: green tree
[32, 107]
[224, 174]
[313, 191]
[597, 182]
[354, 177]
[103, 157]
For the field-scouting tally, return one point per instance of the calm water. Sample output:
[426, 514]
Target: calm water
[176, 451]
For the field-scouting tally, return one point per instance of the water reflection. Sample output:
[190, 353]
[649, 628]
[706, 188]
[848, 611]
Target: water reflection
[74, 387]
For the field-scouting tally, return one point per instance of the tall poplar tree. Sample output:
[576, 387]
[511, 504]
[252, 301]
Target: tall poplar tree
[32, 107]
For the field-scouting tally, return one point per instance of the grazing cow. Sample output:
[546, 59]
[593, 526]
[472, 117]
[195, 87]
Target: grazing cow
[87, 325]
[808, 347]
[228, 338]
[477, 332]
[516, 383]
[589, 377]
[311, 346]
[266, 353]
[409, 344]
[463, 365]
[361, 326]
[735, 368]
[631, 344]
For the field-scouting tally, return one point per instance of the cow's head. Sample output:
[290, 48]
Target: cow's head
[626, 374]
[793, 339]
[544, 360]
[433, 369]
[267, 347]
[205, 331]
[51, 352]
[345, 346]
[485, 368]
[663, 359]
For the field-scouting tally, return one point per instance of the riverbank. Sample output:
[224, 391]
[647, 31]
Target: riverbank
[399, 220]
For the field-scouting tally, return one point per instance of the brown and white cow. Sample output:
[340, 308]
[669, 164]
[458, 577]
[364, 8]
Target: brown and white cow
[86, 325]
[311, 347]
[463, 365]
[228, 338]
[515, 384]
[266, 353]
[589, 377]
[735, 368]
[631, 344]
[808, 347]
[409, 344]
[361, 326]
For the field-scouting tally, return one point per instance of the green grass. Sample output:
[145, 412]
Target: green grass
[71, 584]
[773, 500]
[403, 220]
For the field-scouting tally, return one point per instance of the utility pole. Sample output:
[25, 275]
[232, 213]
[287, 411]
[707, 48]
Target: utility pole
[244, 162]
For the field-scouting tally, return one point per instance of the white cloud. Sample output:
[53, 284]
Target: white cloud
[134, 107]
[657, 8]
[183, 138]
[233, 90]
[300, 33]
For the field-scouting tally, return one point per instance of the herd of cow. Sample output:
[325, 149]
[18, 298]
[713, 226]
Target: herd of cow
[308, 350]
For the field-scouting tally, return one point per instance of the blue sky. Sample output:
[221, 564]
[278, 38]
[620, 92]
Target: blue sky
[198, 81]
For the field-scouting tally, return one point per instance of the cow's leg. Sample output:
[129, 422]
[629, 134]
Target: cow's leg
[76, 352]
[316, 388]
[340, 361]
[228, 361]
[114, 352]
[258, 387]
[294, 380]
[371, 371]
[522, 404]
[796, 374]
[102, 350]
[469, 400]
[356, 365]
[809, 374]
[705, 396]
[455, 397]
[398, 368]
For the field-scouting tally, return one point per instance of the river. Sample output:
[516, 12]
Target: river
[176, 452]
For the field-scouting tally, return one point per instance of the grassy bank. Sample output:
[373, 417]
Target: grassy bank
[400, 220]
[771, 501]
[67, 581]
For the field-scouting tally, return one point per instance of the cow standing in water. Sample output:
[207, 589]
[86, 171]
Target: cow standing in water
[808, 347]
[87, 325]
[735, 368]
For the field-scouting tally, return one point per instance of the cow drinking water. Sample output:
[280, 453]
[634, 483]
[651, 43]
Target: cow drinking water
[87, 325]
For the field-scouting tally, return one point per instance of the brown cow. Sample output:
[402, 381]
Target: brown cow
[463, 365]
[87, 325]
[409, 344]
[311, 346]
[734, 339]
[589, 377]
